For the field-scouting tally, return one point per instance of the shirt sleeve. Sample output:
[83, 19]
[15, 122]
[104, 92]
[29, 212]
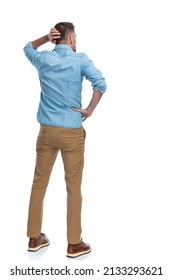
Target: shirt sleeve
[31, 53]
[92, 74]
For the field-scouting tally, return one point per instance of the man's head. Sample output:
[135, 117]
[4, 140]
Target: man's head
[68, 35]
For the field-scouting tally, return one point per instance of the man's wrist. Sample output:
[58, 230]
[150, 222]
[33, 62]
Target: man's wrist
[90, 110]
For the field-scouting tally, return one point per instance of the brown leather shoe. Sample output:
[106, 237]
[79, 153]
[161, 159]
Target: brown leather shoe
[37, 243]
[76, 250]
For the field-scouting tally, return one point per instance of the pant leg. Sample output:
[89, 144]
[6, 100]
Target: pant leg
[45, 158]
[73, 159]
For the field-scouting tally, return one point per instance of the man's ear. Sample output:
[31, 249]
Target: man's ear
[71, 38]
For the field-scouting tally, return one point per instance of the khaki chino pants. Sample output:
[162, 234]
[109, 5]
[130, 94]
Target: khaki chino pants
[70, 142]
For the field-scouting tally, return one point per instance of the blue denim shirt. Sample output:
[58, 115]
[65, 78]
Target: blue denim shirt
[61, 72]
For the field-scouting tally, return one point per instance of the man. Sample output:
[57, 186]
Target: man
[61, 72]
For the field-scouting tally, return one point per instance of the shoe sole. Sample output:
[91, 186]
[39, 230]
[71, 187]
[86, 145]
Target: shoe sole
[78, 254]
[38, 247]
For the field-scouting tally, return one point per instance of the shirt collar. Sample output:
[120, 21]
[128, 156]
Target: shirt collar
[62, 47]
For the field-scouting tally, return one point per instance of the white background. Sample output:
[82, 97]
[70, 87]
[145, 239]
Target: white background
[127, 182]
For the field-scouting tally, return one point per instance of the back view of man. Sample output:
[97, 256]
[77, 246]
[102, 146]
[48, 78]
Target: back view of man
[61, 72]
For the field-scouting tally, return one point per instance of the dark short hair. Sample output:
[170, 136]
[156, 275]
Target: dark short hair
[64, 28]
